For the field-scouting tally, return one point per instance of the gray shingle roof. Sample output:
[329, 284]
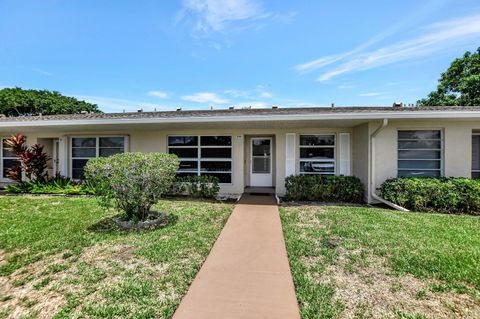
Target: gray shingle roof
[238, 112]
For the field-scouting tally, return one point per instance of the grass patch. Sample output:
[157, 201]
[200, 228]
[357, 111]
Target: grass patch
[349, 261]
[59, 264]
[31, 227]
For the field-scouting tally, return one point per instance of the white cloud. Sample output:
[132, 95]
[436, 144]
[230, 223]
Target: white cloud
[432, 39]
[426, 8]
[321, 62]
[215, 15]
[266, 94]
[43, 72]
[260, 91]
[205, 97]
[160, 94]
[263, 92]
[237, 93]
[109, 104]
[345, 86]
[370, 94]
[253, 105]
[327, 60]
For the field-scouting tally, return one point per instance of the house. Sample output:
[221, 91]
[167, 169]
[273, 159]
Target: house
[260, 147]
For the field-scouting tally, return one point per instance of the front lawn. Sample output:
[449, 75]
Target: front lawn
[57, 260]
[359, 262]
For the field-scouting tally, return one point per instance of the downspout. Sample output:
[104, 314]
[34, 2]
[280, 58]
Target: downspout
[372, 169]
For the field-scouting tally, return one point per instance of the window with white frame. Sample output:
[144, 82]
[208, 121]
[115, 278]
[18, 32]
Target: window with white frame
[317, 154]
[420, 153]
[203, 155]
[476, 155]
[8, 159]
[85, 148]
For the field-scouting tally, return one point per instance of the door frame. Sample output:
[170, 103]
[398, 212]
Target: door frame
[270, 175]
[56, 156]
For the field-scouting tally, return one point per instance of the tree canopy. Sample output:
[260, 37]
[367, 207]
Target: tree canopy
[19, 102]
[459, 85]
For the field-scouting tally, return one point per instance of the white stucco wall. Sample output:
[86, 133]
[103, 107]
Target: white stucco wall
[360, 154]
[156, 141]
[457, 148]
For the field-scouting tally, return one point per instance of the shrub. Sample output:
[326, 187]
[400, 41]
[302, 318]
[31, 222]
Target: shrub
[196, 186]
[31, 160]
[54, 185]
[445, 195]
[132, 182]
[324, 188]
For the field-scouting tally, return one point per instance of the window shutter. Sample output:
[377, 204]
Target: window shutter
[344, 148]
[290, 154]
[63, 155]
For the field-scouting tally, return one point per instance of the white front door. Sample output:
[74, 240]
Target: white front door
[261, 162]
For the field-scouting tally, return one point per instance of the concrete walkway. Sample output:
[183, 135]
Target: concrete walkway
[246, 275]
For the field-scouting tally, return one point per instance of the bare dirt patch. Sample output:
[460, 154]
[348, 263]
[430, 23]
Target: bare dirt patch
[369, 289]
[18, 293]
[39, 289]
[3, 257]
[307, 218]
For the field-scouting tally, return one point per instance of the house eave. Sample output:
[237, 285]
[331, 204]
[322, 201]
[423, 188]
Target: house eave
[249, 118]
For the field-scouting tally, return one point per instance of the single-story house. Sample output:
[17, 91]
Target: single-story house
[260, 147]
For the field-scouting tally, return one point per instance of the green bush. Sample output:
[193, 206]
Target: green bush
[324, 188]
[56, 185]
[132, 182]
[445, 195]
[196, 186]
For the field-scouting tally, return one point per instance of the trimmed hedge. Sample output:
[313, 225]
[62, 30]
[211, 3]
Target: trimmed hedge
[204, 186]
[444, 195]
[323, 188]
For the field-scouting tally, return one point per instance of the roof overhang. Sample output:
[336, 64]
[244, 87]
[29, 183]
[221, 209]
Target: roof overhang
[471, 115]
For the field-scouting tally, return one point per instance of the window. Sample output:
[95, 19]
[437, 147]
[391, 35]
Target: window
[85, 148]
[317, 154]
[476, 155]
[8, 159]
[203, 155]
[420, 153]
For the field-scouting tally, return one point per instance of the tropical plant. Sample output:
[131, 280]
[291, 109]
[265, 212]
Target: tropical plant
[31, 160]
[132, 182]
[55, 185]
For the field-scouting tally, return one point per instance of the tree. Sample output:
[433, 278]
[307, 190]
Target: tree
[20, 102]
[459, 85]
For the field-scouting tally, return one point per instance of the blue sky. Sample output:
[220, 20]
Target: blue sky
[202, 53]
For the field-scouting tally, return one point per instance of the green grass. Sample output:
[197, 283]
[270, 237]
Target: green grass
[31, 227]
[431, 247]
[56, 247]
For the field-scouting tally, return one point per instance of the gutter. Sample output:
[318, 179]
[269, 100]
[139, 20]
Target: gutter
[372, 170]
[470, 115]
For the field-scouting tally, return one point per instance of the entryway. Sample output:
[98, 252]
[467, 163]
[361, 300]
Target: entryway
[51, 147]
[260, 161]
[259, 190]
